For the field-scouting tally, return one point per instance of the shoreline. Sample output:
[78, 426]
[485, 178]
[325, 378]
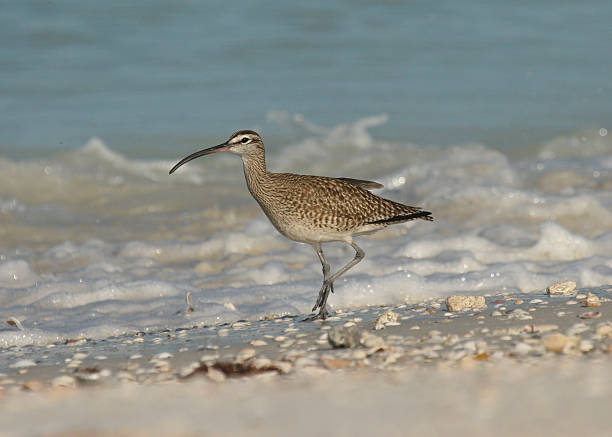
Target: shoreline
[515, 337]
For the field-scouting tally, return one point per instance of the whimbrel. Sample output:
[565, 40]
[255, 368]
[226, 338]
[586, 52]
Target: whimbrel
[313, 209]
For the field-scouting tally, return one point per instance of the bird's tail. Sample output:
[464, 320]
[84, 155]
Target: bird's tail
[423, 215]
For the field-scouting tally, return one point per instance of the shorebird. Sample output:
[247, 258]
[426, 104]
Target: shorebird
[313, 209]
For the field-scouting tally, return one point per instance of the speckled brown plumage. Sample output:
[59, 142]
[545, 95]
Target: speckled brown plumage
[314, 209]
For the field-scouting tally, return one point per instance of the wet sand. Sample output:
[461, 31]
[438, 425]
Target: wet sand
[527, 363]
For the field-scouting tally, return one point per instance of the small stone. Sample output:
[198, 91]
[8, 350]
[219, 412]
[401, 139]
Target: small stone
[162, 366]
[215, 375]
[245, 355]
[262, 363]
[258, 343]
[561, 288]
[359, 354]
[590, 315]
[340, 336]
[586, 346]
[287, 344]
[209, 358]
[283, 366]
[459, 302]
[545, 328]
[32, 385]
[591, 300]
[333, 364]
[163, 356]
[577, 329]
[385, 319]
[64, 381]
[23, 363]
[559, 343]
[189, 369]
[604, 329]
[371, 341]
[496, 313]
[519, 314]
[522, 348]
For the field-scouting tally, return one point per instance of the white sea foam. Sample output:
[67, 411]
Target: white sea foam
[99, 244]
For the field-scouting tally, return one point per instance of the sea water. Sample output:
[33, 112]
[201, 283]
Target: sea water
[494, 118]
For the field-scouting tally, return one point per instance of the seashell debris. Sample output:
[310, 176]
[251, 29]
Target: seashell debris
[561, 288]
[459, 302]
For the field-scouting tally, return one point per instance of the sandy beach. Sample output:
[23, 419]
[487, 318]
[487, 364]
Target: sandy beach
[528, 363]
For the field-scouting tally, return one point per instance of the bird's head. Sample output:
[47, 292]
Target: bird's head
[243, 143]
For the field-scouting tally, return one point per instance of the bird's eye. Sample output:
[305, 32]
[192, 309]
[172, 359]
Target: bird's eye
[244, 140]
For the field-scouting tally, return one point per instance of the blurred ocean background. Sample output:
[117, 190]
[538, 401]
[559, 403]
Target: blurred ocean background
[492, 115]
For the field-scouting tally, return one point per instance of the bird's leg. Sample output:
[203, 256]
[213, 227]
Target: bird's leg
[324, 263]
[328, 282]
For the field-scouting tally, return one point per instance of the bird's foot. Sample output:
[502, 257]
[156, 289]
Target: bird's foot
[322, 315]
[322, 301]
[323, 294]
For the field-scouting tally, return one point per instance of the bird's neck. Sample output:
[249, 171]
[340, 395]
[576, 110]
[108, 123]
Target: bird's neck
[255, 172]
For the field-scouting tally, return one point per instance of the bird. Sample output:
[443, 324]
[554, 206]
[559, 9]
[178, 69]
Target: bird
[313, 209]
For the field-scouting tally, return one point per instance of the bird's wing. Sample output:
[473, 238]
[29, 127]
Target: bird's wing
[366, 185]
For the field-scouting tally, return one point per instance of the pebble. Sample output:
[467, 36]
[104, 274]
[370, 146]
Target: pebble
[333, 364]
[163, 356]
[207, 358]
[561, 288]
[459, 302]
[371, 341]
[23, 363]
[32, 385]
[577, 329]
[64, 381]
[245, 355]
[522, 348]
[559, 343]
[340, 336]
[591, 300]
[162, 366]
[385, 319]
[586, 346]
[590, 315]
[262, 362]
[519, 314]
[215, 375]
[605, 329]
[258, 343]
[189, 369]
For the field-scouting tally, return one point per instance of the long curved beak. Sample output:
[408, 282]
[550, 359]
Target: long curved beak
[220, 148]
